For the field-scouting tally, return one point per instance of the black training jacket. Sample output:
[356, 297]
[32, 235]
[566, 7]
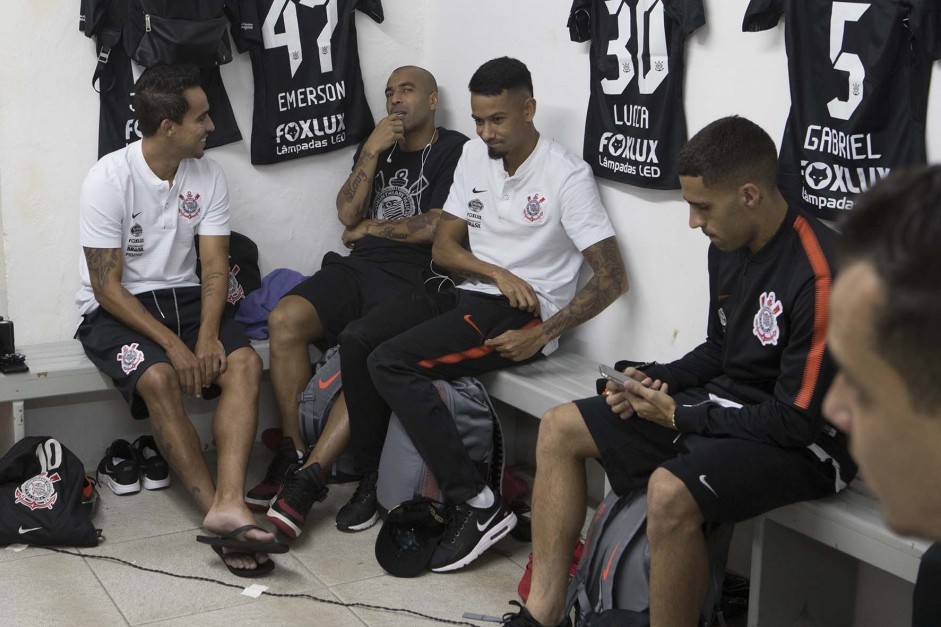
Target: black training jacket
[766, 343]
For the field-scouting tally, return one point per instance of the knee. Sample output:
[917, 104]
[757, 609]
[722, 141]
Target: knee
[243, 368]
[671, 507]
[158, 381]
[556, 431]
[287, 322]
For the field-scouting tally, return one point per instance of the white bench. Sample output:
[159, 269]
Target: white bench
[59, 369]
[805, 557]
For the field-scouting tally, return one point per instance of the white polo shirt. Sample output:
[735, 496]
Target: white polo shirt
[125, 205]
[534, 223]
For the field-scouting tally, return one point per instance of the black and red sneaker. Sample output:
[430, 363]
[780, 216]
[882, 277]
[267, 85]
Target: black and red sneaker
[262, 495]
[301, 489]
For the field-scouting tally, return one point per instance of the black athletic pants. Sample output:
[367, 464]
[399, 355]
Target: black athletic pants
[926, 601]
[389, 359]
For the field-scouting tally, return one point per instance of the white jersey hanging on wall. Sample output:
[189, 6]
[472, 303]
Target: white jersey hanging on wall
[636, 124]
[859, 75]
[309, 96]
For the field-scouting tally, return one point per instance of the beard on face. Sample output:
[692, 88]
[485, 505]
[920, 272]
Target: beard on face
[495, 153]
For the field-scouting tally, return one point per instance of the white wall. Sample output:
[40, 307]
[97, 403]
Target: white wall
[48, 141]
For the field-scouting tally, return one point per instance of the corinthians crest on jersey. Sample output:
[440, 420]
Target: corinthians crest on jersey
[397, 197]
[765, 325]
[189, 205]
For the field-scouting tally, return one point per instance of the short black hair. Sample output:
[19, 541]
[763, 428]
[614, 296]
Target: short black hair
[497, 75]
[159, 95]
[896, 227]
[729, 152]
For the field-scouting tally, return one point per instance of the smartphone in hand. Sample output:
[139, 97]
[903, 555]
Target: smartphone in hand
[611, 374]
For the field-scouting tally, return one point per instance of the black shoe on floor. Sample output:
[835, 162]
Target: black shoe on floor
[262, 495]
[120, 469]
[470, 532]
[361, 510]
[301, 489]
[155, 471]
[523, 618]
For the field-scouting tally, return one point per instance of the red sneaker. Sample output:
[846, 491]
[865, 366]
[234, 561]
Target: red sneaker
[526, 581]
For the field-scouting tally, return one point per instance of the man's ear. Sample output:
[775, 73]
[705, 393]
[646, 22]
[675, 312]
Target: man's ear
[750, 194]
[166, 127]
[529, 109]
[433, 100]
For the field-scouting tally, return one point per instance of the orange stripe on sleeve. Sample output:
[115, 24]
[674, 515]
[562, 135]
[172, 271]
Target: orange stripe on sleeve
[822, 281]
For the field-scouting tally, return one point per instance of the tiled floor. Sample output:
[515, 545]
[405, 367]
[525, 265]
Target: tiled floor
[157, 530]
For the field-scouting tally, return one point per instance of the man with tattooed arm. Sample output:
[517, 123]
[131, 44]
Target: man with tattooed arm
[155, 327]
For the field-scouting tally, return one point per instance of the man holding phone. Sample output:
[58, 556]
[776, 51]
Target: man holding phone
[732, 429]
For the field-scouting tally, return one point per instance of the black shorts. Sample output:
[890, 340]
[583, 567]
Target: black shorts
[731, 479]
[124, 354]
[345, 289]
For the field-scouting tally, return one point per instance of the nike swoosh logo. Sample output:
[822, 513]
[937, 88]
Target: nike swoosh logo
[478, 191]
[490, 520]
[702, 480]
[28, 530]
[134, 215]
[467, 319]
[607, 567]
[325, 384]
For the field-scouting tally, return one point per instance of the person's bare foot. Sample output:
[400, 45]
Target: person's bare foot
[221, 521]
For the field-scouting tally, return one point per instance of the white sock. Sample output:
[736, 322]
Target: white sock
[482, 500]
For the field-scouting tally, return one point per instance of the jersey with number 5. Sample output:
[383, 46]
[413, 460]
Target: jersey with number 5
[309, 96]
[635, 124]
[859, 75]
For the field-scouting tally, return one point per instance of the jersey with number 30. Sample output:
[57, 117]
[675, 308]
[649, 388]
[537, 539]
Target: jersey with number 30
[309, 96]
[859, 76]
[635, 124]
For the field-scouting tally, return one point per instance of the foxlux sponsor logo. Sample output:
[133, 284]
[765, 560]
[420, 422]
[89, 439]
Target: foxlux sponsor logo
[309, 129]
[634, 153]
[845, 182]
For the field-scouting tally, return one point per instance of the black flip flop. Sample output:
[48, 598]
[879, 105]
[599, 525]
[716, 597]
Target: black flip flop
[231, 541]
[261, 569]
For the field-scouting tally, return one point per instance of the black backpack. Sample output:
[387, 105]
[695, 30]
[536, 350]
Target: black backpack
[611, 586]
[41, 495]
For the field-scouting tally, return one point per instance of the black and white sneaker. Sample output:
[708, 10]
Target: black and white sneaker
[120, 469]
[469, 533]
[361, 511]
[155, 471]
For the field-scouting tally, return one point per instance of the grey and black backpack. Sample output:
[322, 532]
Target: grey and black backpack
[612, 582]
[314, 405]
[403, 474]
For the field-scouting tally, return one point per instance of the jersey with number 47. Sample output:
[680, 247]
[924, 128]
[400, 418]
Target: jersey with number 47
[635, 124]
[859, 76]
[309, 96]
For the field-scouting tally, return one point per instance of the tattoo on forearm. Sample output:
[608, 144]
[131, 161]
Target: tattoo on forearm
[353, 184]
[209, 283]
[101, 262]
[608, 282]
